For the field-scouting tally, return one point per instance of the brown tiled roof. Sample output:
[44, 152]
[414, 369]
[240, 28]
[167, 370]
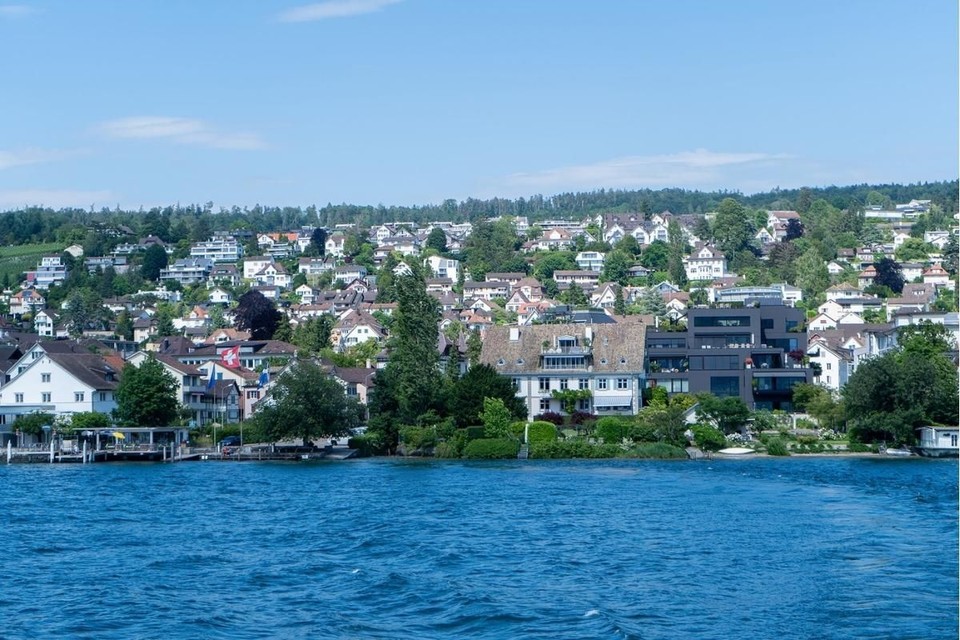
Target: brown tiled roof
[610, 343]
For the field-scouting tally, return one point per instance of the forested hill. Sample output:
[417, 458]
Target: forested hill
[39, 224]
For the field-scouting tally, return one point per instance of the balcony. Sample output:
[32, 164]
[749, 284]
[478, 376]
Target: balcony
[577, 350]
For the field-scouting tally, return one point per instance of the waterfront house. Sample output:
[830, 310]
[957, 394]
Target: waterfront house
[605, 360]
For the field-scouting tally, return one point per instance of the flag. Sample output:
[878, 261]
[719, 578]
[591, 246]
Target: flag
[230, 358]
[213, 378]
[263, 379]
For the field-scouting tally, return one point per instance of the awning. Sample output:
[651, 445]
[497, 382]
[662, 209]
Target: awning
[612, 401]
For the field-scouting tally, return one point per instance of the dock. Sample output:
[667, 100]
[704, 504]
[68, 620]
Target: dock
[171, 453]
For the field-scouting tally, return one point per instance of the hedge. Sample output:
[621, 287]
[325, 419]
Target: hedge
[542, 431]
[612, 430]
[491, 449]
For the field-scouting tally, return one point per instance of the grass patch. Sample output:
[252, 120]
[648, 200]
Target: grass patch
[18, 259]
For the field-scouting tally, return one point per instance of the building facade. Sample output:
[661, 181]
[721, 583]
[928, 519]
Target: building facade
[754, 353]
[605, 360]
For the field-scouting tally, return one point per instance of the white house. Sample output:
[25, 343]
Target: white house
[65, 380]
[590, 260]
[254, 265]
[442, 267]
[705, 263]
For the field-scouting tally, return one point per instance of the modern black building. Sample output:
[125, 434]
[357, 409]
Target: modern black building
[754, 352]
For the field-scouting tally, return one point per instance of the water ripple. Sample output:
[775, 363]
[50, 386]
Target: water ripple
[825, 548]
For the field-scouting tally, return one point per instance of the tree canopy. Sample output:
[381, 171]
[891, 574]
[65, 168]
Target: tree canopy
[256, 314]
[305, 402]
[146, 396]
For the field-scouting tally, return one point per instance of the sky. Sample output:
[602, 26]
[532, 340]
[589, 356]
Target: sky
[405, 102]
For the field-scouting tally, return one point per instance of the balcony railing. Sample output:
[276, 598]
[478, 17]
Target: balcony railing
[566, 351]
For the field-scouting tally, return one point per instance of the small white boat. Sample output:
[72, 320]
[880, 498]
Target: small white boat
[736, 451]
[896, 453]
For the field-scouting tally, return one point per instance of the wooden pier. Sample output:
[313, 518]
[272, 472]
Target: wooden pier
[171, 453]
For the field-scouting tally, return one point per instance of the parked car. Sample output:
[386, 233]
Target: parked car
[230, 441]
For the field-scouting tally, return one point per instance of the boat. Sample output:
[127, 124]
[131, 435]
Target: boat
[896, 453]
[736, 451]
[938, 442]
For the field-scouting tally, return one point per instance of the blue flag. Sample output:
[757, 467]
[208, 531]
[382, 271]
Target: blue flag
[263, 379]
[212, 380]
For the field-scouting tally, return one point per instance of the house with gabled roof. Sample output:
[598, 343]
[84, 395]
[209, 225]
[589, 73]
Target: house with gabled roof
[705, 263]
[61, 379]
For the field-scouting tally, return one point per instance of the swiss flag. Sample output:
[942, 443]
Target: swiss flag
[230, 358]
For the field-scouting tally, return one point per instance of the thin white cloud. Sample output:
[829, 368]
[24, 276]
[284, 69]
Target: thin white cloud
[181, 131]
[15, 10]
[21, 157]
[55, 198]
[698, 168]
[333, 9]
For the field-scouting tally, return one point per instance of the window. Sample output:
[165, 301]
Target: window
[103, 396]
[564, 383]
[516, 383]
[623, 383]
[44, 377]
[253, 395]
[583, 405]
[583, 383]
[602, 384]
[828, 365]
[544, 404]
[78, 396]
[18, 397]
[720, 321]
[45, 397]
[544, 384]
[725, 386]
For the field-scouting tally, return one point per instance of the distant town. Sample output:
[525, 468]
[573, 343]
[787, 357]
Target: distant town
[592, 317]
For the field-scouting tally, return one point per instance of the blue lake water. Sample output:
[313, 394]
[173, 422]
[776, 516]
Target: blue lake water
[763, 548]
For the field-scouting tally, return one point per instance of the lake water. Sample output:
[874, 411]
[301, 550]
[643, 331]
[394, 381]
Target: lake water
[762, 548]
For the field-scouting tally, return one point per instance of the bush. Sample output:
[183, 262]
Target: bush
[574, 448]
[370, 443]
[659, 451]
[643, 431]
[542, 431]
[709, 438]
[777, 447]
[582, 417]
[417, 439]
[859, 447]
[473, 433]
[549, 416]
[517, 428]
[612, 430]
[491, 449]
[453, 446]
[808, 440]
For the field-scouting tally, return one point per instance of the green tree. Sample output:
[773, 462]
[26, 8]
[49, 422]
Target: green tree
[154, 260]
[728, 414]
[651, 303]
[146, 396]
[656, 256]
[305, 402]
[412, 383]
[465, 401]
[616, 266]
[124, 327]
[83, 309]
[732, 229]
[437, 239]
[313, 334]
[496, 418]
[619, 305]
[812, 275]
[33, 423]
[676, 246]
[89, 421]
[914, 250]
[551, 261]
[490, 247]
[165, 320]
[575, 297]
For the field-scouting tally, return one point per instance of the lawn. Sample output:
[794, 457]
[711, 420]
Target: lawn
[16, 259]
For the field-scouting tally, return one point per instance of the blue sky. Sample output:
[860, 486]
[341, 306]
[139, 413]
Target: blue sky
[414, 101]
